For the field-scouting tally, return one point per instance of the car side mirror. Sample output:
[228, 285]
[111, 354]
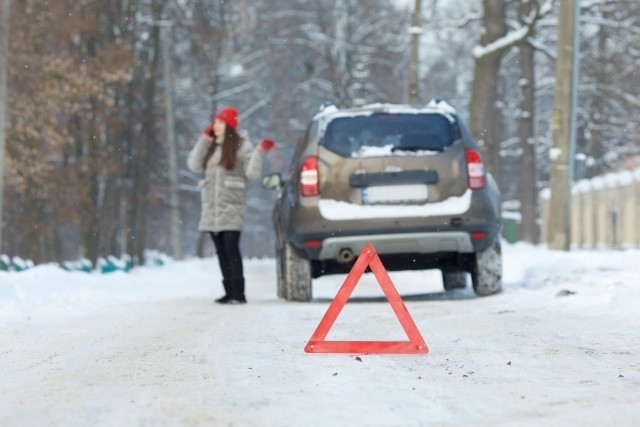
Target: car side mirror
[273, 181]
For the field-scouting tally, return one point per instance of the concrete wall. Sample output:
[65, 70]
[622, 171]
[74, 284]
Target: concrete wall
[605, 211]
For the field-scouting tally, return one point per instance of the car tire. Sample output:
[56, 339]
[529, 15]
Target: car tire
[487, 275]
[296, 274]
[454, 280]
[280, 281]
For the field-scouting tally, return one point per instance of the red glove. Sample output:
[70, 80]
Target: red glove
[208, 132]
[267, 144]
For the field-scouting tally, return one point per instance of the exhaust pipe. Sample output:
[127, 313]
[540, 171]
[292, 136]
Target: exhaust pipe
[345, 255]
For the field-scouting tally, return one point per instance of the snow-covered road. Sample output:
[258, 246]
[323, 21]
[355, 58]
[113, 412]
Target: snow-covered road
[560, 346]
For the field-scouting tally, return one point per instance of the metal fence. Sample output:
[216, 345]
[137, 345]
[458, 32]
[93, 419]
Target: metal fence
[605, 211]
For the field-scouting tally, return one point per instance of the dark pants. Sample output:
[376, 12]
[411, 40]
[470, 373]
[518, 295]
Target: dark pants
[228, 249]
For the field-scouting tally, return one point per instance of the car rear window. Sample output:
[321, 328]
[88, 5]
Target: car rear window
[384, 134]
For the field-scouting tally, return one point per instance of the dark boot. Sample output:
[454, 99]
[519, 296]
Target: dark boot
[227, 292]
[236, 288]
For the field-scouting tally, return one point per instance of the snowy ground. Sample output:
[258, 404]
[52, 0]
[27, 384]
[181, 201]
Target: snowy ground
[560, 346]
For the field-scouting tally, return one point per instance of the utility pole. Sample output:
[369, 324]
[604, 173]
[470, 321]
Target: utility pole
[415, 30]
[564, 127]
[5, 12]
[174, 201]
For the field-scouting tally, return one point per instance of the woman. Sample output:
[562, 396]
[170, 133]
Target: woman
[227, 161]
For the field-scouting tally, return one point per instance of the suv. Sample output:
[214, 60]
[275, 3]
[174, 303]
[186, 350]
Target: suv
[408, 179]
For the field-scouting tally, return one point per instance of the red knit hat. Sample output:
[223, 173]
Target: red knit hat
[229, 115]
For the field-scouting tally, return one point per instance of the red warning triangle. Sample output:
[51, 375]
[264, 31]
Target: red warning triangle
[368, 257]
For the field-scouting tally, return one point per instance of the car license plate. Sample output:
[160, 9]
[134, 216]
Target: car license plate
[394, 194]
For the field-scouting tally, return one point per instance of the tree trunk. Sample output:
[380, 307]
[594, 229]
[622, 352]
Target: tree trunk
[559, 226]
[528, 178]
[599, 114]
[4, 56]
[129, 196]
[110, 225]
[484, 95]
[414, 77]
[149, 140]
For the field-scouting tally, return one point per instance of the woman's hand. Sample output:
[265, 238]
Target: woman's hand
[208, 132]
[267, 144]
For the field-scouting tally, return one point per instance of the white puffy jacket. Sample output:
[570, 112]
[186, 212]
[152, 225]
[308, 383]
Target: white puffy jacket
[223, 191]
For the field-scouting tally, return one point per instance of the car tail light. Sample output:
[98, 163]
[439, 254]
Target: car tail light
[478, 235]
[475, 170]
[313, 243]
[309, 177]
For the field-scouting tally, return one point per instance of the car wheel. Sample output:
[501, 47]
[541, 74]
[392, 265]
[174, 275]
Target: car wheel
[296, 272]
[487, 277]
[454, 280]
[281, 283]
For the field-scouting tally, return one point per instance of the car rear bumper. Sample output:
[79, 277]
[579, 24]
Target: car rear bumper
[400, 243]
[317, 238]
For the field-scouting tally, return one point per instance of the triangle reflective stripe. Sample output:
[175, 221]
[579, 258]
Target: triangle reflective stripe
[368, 258]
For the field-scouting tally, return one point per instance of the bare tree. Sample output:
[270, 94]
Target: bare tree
[5, 12]
[485, 116]
[528, 179]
